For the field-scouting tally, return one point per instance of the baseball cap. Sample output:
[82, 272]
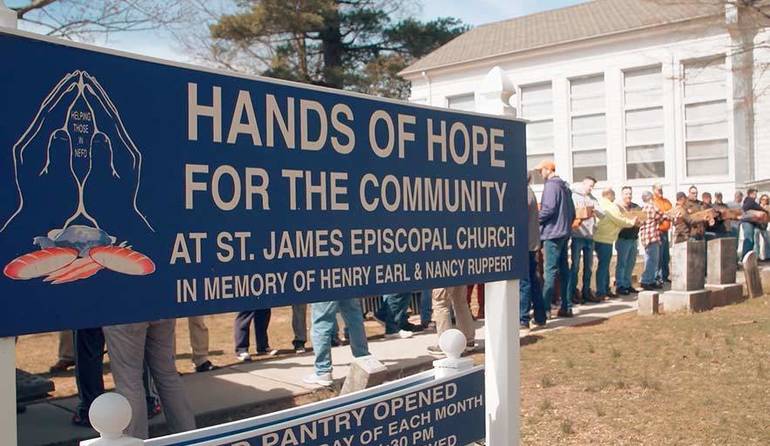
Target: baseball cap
[546, 164]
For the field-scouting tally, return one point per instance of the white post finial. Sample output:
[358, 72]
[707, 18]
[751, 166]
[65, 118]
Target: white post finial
[110, 414]
[7, 17]
[452, 343]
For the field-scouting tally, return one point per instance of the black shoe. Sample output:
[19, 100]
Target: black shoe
[565, 313]
[80, 419]
[205, 367]
[412, 327]
[623, 291]
[336, 342]
[649, 287]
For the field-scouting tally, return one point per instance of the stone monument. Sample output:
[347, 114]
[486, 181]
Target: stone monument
[688, 271]
[751, 272]
[721, 271]
[648, 303]
[365, 372]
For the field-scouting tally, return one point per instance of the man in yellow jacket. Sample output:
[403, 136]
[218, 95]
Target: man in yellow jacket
[605, 236]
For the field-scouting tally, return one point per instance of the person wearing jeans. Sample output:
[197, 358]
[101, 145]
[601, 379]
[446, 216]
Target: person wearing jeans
[324, 317]
[748, 227]
[650, 238]
[607, 230]
[394, 313]
[557, 212]
[583, 229]
[663, 273]
[626, 247]
[530, 289]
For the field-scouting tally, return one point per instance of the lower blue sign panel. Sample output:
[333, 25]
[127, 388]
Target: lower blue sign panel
[415, 411]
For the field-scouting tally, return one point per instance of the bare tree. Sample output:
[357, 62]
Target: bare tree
[92, 19]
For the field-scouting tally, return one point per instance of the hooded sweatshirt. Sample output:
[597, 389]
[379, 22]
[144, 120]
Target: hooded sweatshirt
[556, 210]
[587, 227]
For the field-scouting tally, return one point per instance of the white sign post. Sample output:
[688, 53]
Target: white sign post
[7, 345]
[501, 327]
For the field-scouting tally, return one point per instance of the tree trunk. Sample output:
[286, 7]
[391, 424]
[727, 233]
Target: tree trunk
[333, 48]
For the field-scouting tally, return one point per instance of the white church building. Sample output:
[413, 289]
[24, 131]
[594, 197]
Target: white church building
[632, 92]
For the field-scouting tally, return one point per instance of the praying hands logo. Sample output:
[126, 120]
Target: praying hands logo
[89, 163]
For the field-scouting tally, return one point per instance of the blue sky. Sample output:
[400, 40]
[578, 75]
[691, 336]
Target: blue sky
[473, 12]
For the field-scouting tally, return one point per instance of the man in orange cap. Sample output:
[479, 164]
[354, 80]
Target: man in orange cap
[556, 215]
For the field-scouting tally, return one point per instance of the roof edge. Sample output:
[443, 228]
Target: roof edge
[407, 71]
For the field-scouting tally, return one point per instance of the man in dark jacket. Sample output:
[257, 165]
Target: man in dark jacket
[557, 212]
[748, 226]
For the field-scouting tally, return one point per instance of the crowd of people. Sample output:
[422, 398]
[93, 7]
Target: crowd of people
[570, 225]
[566, 230]
[142, 355]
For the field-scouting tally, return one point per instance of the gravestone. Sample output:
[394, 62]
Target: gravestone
[365, 372]
[751, 272]
[726, 294]
[688, 266]
[648, 303]
[722, 261]
[689, 301]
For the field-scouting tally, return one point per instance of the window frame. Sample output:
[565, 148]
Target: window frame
[572, 114]
[720, 61]
[626, 108]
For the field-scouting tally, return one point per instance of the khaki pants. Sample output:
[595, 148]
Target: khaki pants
[66, 346]
[454, 296]
[129, 346]
[199, 339]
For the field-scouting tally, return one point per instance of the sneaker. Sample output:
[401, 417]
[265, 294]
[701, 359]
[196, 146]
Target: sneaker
[401, 334]
[300, 350]
[648, 287]
[243, 357]
[324, 379]
[271, 352]
[565, 313]
[414, 328]
[435, 350]
[205, 367]
[534, 325]
[428, 326]
[471, 347]
[623, 291]
[336, 342]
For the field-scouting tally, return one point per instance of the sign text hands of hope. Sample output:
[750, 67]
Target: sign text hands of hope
[135, 190]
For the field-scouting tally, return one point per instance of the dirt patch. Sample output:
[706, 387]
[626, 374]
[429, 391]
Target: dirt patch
[675, 379]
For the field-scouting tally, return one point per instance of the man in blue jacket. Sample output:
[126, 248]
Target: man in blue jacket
[557, 212]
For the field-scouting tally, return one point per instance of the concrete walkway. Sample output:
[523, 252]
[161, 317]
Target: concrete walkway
[263, 382]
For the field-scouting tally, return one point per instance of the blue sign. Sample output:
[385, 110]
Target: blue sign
[415, 411]
[138, 190]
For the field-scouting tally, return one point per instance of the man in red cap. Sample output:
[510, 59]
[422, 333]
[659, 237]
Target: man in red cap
[556, 215]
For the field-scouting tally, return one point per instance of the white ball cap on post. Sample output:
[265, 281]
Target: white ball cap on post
[110, 415]
[452, 342]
